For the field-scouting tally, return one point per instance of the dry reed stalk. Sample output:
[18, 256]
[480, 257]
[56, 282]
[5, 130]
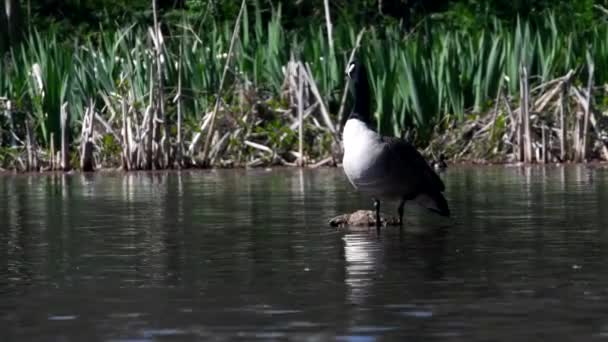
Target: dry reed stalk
[544, 144]
[52, 158]
[147, 137]
[322, 162]
[576, 136]
[563, 113]
[558, 131]
[512, 116]
[255, 162]
[137, 133]
[258, 146]
[587, 110]
[178, 99]
[593, 122]
[601, 8]
[28, 146]
[151, 126]
[546, 98]
[9, 114]
[65, 162]
[305, 115]
[84, 125]
[107, 126]
[519, 137]
[160, 127]
[330, 38]
[290, 83]
[347, 83]
[300, 116]
[525, 114]
[496, 106]
[218, 147]
[324, 112]
[126, 147]
[582, 100]
[86, 145]
[220, 90]
[262, 148]
[549, 83]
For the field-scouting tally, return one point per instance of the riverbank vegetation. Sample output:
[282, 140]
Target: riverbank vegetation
[194, 88]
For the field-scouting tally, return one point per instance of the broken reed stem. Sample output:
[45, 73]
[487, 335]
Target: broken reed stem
[221, 87]
[347, 83]
[587, 109]
[525, 114]
[317, 94]
[65, 162]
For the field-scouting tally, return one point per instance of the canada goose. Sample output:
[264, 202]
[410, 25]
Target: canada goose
[385, 167]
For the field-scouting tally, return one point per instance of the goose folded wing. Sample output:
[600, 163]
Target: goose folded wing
[405, 158]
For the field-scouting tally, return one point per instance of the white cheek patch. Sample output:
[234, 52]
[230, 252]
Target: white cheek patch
[351, 67]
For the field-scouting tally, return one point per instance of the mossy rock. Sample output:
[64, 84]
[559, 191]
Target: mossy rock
[362, 218]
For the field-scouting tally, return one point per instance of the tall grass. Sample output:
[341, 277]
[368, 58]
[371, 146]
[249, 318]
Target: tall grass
[416, 80]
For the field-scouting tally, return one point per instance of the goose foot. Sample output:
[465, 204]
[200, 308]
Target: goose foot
[400, 211]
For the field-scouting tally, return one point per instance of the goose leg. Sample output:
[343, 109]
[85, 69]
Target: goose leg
[377, 207]
[400, 211]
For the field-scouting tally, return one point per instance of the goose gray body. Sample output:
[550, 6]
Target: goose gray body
[389, 168]
[386, 167]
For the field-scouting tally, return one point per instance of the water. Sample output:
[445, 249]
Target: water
[248, 255]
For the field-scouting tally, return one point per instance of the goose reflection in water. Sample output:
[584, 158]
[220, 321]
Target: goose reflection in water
[393, 262]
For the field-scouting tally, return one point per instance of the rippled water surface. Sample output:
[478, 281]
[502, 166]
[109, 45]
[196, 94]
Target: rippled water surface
[224, 255]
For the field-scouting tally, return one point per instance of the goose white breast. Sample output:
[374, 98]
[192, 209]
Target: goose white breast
[363, 150]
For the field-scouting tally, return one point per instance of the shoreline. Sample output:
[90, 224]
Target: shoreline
[601, 164]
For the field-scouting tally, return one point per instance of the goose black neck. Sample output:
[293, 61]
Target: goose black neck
[361, 109]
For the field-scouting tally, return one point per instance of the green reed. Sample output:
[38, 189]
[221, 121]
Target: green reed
[416, 79]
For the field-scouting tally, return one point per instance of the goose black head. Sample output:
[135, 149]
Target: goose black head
[360, 88]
